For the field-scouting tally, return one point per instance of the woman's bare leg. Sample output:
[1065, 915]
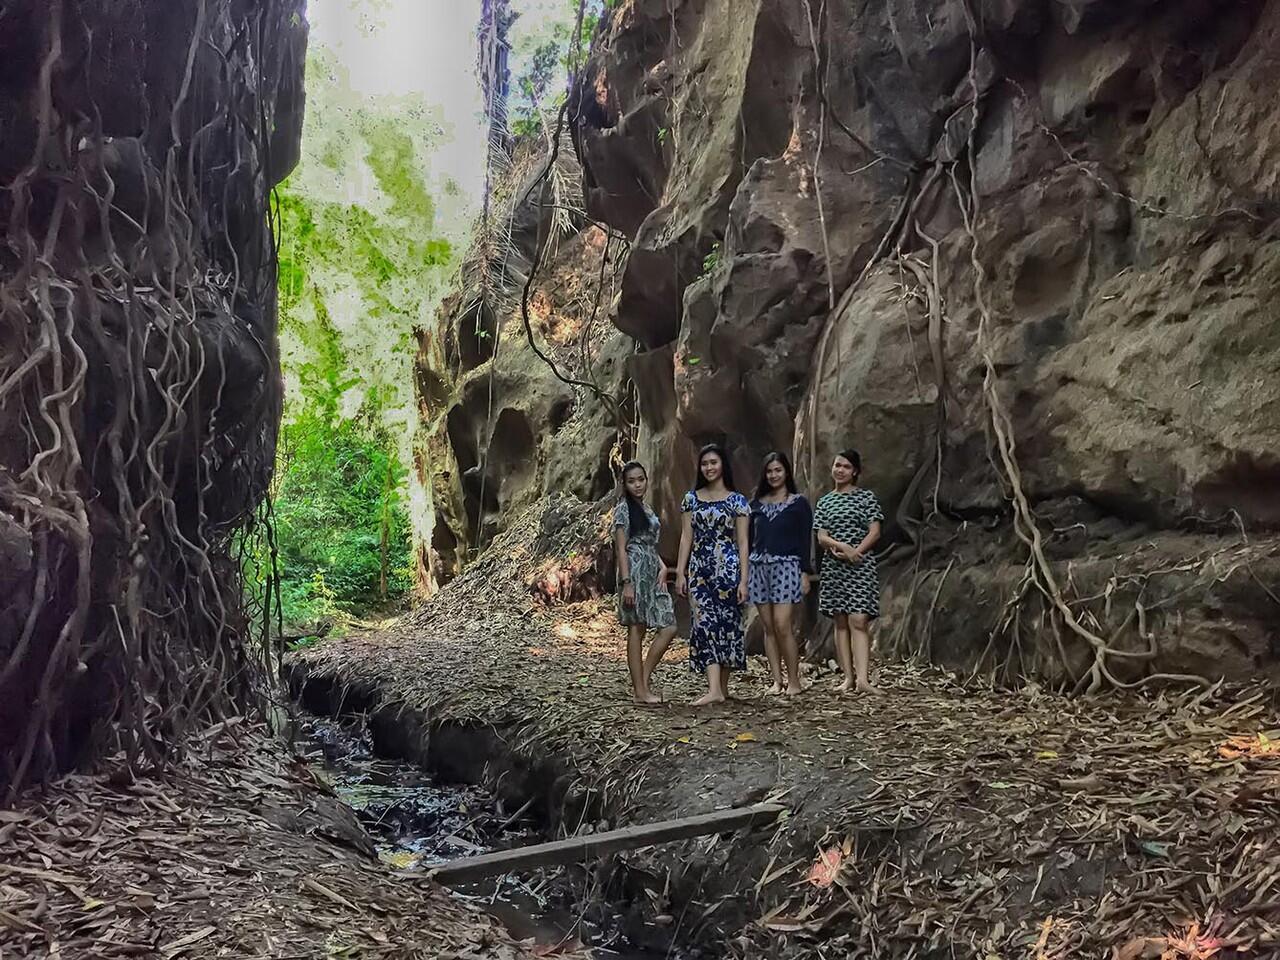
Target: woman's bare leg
[768, 614]
[844, 654]
[786, 642]
[715, 692]
[635, 665]
[859, 628]
[725, 674]
[661, 640]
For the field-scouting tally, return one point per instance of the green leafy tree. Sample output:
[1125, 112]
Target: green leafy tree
[542, 54]
[341, 525]
[362, 263]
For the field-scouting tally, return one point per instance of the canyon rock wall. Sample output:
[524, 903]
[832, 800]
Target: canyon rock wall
[1008, 249]
[501, 425]
[139, 380]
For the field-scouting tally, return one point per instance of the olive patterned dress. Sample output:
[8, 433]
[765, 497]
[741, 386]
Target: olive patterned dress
[848, 587]
[653, 606]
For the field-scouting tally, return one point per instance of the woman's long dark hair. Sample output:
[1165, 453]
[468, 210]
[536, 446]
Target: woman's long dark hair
[775, 456]
[726, 468]
[637, 517]
[854, 458]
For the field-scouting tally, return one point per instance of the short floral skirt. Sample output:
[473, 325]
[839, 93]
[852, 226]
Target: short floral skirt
[773, 579]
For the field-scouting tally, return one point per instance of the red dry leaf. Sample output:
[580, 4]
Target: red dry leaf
[1259, 746]
[826, 868]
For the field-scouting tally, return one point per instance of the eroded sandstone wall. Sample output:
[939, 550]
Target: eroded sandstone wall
[500, 425]
[920, 226]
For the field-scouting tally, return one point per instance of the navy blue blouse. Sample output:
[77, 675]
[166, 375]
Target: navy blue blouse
[783, 530]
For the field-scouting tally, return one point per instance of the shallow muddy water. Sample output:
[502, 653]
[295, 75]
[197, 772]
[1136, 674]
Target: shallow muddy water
[417, 822]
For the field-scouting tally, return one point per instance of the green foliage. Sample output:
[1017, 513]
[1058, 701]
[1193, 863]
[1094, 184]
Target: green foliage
[360, 251]
[545, 64]
[362, 263]
[341, 519]
[712, 260]
[542, 59]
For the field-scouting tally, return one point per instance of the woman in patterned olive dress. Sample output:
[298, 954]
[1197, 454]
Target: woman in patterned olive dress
[847, 521]
[643, 601]
[712, 570]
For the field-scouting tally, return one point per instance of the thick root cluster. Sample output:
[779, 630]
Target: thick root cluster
[139, 385]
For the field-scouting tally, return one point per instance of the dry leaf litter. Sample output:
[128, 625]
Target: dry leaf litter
[238, 853]
[940, 816]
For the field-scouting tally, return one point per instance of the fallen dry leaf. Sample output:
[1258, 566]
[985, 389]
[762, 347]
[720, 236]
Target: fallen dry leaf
[1241, 747]
[826, 868]
[181, 944]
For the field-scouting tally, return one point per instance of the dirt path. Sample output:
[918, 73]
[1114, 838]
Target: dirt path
[964, 821]
[236, 854]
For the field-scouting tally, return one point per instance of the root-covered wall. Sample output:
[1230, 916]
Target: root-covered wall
[1023, 254]
[139, 381]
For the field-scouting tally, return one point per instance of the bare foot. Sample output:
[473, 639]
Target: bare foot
[776, 688]
[846, 687]
[707, 699]
[647, 698]
[867, 688]
[793, 689]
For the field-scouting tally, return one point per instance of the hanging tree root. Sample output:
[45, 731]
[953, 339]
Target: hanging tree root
[541, 242]
[905, 228]
[138, 402]
[1026, 525]
[1039, 573]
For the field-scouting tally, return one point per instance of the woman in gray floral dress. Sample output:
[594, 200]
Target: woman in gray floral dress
[643, 600]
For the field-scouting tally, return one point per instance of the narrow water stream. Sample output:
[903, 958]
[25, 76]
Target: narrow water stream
[417, 822]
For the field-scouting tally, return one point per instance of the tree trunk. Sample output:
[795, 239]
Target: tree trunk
[385, 545]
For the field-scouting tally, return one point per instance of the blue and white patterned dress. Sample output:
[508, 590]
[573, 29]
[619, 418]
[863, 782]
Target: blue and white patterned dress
[848, 587]
[714, 574]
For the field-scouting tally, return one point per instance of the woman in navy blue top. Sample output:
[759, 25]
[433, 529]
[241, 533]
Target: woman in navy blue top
[780, 564]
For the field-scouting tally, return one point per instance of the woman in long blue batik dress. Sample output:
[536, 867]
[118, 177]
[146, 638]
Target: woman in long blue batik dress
[712, 571]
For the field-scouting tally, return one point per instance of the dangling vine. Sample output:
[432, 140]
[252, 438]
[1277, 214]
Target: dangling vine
[493, 236]
[139, 384]
[540, 245]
